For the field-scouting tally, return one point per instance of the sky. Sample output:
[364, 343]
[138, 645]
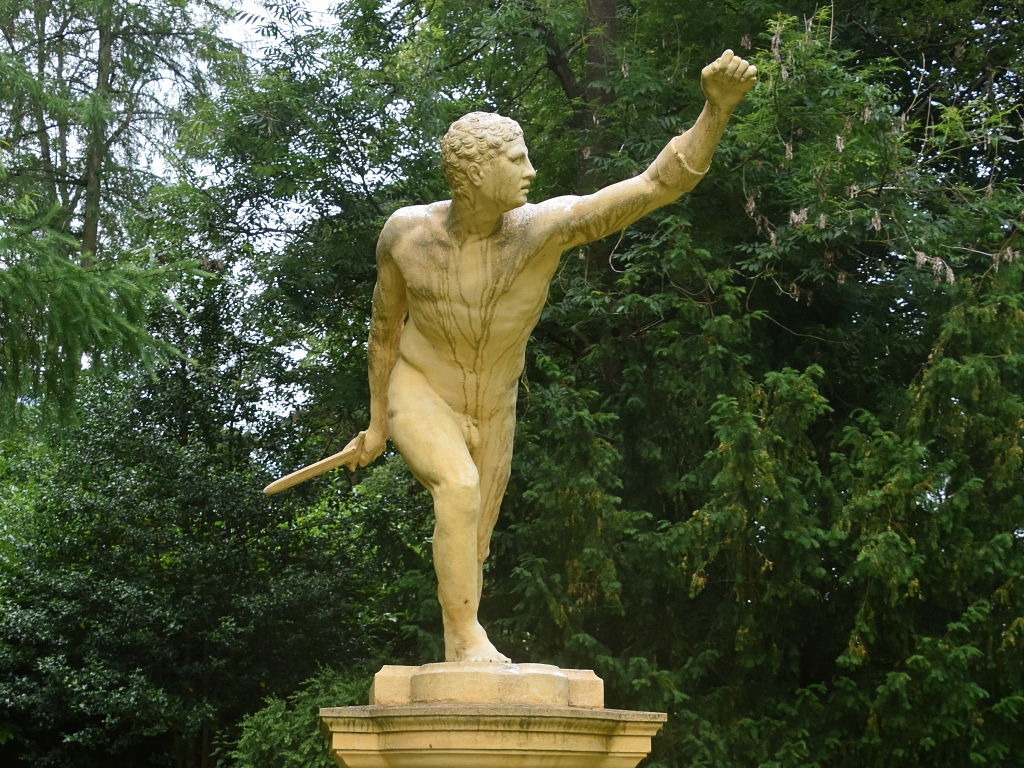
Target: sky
[245, 34]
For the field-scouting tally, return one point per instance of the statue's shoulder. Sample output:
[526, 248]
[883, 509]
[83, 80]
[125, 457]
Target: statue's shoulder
[554, 206]
[413, 218]
[541, 220]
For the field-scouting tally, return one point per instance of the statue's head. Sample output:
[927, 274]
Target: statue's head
[476, 139]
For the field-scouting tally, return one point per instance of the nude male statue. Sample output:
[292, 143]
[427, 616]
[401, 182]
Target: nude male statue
[460, 287]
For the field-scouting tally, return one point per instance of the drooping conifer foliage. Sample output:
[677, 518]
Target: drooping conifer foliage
[768, 473]
[90, 95]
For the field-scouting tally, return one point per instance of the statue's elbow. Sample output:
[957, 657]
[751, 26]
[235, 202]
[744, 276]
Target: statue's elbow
[689, 186]
[669, 193]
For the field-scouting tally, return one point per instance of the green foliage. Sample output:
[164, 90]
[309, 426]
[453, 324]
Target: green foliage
[53, 312]
[763, 480]
[768, 472]
[150, 593]
[285, 733]
[91, 93]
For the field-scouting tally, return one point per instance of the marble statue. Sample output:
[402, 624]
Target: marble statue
[461, 284]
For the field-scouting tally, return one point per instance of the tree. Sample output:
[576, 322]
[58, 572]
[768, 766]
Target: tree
[150, 594]
[92, 91]
[768, 457]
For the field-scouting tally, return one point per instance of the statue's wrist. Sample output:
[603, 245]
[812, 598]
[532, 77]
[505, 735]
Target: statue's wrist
[378, 420]
[719, 111]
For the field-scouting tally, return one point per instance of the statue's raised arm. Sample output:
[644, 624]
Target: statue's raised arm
[680, 166]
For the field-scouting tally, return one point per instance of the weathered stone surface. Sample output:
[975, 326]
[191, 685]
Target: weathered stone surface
[488, 683]
[586, 689]
[391, 686]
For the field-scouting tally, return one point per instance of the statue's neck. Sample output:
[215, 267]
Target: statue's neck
[473, 219]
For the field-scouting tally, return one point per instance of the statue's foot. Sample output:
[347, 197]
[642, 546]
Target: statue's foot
[484, 651]
[472, 645]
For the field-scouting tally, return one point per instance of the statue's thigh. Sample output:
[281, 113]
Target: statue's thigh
[494, 461]
[493, 452]
[427, 433]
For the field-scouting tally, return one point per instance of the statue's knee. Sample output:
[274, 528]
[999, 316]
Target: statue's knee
[461, 488]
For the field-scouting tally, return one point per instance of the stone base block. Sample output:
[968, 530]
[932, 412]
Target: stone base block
[487, 683]
[487, 736]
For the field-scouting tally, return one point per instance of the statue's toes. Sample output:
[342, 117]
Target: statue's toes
[485, 652]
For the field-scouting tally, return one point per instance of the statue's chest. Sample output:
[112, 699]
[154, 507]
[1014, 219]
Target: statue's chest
[475, 278]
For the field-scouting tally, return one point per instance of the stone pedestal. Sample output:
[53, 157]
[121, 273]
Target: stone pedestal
[487, 716]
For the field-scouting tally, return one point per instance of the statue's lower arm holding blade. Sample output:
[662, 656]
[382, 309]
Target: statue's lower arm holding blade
[461, 285]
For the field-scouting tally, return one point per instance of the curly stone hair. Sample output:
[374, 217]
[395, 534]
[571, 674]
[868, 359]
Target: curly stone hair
[474, 138]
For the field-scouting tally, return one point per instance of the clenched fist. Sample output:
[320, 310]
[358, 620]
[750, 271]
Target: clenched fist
[726, 80]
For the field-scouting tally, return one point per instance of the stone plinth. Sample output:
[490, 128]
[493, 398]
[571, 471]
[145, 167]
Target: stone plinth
[485, 715]
[487, 736]
[488, 683]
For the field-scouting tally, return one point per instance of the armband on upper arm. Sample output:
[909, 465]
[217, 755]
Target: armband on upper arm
[682, 159]
[686, 165]
[673, 169]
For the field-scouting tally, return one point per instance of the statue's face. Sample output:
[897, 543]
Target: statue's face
[505, 178]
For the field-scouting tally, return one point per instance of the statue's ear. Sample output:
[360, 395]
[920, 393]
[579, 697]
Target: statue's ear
[475, 174]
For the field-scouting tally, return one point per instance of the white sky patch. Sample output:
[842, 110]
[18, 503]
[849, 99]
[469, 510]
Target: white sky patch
[244, 30]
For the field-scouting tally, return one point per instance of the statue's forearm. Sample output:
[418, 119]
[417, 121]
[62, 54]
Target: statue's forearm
[698, 144]
[382, 359]
[687, 157]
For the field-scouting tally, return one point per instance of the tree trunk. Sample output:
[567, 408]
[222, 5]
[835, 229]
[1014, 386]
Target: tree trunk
[42, 12]
[601, 58]
[97, 144]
